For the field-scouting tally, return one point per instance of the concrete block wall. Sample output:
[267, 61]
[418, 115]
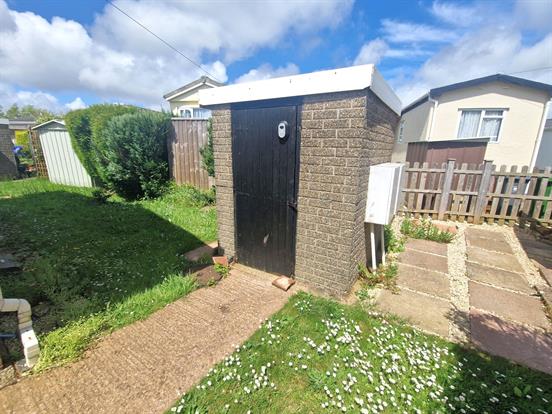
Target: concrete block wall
[8, 167]
[336, 138]
[222, 148]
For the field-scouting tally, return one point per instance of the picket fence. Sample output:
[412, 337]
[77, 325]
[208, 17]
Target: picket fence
[477, 193]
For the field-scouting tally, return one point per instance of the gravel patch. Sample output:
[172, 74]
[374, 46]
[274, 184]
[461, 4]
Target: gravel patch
[459, 328]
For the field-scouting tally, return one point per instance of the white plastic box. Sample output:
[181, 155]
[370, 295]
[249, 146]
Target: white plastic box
[384, 192]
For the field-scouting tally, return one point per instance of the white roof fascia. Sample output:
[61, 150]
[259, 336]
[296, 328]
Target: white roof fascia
[191, 88]
[336, 80]
[57, 121]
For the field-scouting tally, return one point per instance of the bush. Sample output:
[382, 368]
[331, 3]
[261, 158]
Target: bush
[136, 154]
[86, 128]
[207, 154]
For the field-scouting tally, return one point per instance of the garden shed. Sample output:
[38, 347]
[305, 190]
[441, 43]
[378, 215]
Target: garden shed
[292, 158]
[62, 163]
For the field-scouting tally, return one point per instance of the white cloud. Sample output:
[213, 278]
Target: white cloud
[40, 99]
[503, 51]
[534, 14]
[76, 103]
[266, 71]
[407, 32]
[377, 49]
[457, 14]
[115, 58]
[372, 52]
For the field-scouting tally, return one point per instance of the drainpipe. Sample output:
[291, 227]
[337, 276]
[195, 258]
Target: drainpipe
[25, 327]
[539, 137]
[432, 122]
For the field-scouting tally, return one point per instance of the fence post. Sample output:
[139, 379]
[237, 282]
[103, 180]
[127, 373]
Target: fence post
[482, 192]
[449, 173]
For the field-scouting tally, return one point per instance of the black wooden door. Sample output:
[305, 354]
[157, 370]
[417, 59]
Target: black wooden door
[264, 168]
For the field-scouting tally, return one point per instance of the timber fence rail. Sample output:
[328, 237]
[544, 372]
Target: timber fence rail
[477, 193]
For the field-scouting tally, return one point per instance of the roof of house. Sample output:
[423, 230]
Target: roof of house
[204, 80]
[548, 124]
[336, 80]
[436, 92]
[57, 121]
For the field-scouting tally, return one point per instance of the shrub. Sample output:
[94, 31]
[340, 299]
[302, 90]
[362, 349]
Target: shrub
[86, 128]
[207, 155]
[136, 154]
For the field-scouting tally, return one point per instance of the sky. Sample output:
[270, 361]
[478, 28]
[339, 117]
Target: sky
[67, 54]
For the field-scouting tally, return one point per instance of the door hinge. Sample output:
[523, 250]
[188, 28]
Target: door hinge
[292, 205]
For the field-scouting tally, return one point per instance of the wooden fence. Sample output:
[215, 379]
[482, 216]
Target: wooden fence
[477, 193]
[187, 137]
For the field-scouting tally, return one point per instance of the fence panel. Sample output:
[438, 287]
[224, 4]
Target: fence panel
[477, 193]
[187, 138]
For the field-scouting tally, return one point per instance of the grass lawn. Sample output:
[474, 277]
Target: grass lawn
[91, 267]
[316, 355]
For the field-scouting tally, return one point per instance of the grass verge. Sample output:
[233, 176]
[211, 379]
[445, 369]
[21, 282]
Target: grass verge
[90, 264]
[316, 355]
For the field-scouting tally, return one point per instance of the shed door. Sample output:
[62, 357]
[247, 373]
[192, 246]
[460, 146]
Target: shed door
[264, 168]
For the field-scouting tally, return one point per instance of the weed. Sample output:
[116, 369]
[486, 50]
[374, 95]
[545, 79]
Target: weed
[221, 269]
[424, 229]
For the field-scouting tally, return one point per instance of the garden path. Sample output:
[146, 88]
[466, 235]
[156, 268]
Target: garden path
[145, 366]
[480, 289]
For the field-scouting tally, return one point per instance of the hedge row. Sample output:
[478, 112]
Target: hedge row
[123, 148]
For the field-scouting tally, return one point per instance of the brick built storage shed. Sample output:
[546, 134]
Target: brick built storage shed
[292, 158]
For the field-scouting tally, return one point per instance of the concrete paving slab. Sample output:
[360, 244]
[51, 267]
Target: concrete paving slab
[510, 340]
[481, 233]
[498, 244]
[498, 277]
[423, 280]
[202, 251]
[8, 262]
[424, 312]
[425, 260]
[427, 246]
[513, 306]
[503, 261]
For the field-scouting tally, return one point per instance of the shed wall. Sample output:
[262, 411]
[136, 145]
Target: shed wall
[62, 162]
[341, 135]
[8, 167]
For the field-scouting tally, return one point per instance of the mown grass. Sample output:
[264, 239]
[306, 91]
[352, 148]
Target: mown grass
[316, 355]
[90, 267]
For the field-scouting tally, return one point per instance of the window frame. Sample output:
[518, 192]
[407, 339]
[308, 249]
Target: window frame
[483, 115]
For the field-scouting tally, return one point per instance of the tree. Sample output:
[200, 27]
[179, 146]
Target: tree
[207, 155]
[40, 115]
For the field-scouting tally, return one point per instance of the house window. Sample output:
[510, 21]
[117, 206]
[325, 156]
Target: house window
[401, 132]
[198, 113]
[480, 123]
[186, 113]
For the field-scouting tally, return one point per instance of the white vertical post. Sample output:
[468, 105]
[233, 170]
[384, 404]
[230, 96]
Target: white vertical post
[382, 241]
[373, 246]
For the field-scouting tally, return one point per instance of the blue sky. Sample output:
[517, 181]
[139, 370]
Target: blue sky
[67, 54]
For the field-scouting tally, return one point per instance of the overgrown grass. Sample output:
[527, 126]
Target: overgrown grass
[317, 356]
[90, 266]
[424, 229]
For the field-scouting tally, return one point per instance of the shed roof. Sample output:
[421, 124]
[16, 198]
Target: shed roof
[57, 121]
[336, 80]
[499, 77]
[204, 80]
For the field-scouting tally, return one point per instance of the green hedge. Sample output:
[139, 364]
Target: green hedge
[136, 154]
[86, 128]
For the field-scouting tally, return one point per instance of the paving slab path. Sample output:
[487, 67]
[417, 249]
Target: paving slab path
[480, 290]
[144, 367]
